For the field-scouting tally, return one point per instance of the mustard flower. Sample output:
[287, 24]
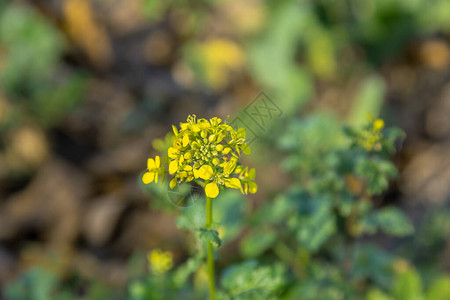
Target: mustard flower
[160, 261]
[207, 150]
[154, 170]
[370, 137]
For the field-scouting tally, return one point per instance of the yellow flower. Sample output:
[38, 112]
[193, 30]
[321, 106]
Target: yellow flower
[160, 261]
[154, 170]
[370, 136]
[208, 150]
[378, 124]
[219, 57]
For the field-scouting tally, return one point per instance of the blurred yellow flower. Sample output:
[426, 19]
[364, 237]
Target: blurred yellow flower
[378, 124]
[320, 54]
[401, 265]
[370, 137]
[220, 57]
[160, 261]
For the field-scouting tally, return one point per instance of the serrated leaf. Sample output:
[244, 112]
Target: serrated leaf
[373, 263]
[314, 224]
[192, 217]
[250, 281]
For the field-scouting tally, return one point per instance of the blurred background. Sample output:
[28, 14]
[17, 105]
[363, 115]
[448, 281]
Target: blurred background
[86, 86]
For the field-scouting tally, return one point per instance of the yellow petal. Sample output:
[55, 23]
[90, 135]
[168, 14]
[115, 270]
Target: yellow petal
[172, 152]
[211, 190]
[220, 137]
[157, 161]
[205, 172]
[175, 130]
[173, 183]
[173, 166]
[185, 140]
[184, 126]
[229, 167]
[150, 164]
[148, 177]
[233, 183]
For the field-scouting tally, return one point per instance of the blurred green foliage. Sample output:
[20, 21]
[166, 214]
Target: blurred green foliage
[42, 284]
[310, 240]
[32, 76]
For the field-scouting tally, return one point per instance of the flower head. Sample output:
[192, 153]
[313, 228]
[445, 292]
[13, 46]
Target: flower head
[160, 261]
[209, 150]
[370, 137]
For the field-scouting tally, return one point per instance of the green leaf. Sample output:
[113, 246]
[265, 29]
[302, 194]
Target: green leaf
[192, 217]
[393, 221]
[258, 242]
[408, 285]
[210, 236]
[377, 294]
[274, 211]
[315, 222]
[370, 262]
[439, 289]
[249, 281]
[368, 100]
[272, 57]
[377, 173]
[36, 284]
[183, 272]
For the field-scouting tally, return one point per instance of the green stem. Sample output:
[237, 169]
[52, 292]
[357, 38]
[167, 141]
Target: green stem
[210, 259]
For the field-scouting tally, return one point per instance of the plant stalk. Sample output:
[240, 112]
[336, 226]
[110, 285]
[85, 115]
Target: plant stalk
[210, 258]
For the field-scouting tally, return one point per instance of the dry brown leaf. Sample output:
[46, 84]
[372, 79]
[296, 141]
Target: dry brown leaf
[87, 33]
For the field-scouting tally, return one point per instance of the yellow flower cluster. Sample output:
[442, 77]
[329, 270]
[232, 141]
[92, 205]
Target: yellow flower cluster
[208, 150]
[370, 137]
[160, 261]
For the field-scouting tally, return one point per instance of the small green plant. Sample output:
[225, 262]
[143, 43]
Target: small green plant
[205, 152]
[408, 284]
